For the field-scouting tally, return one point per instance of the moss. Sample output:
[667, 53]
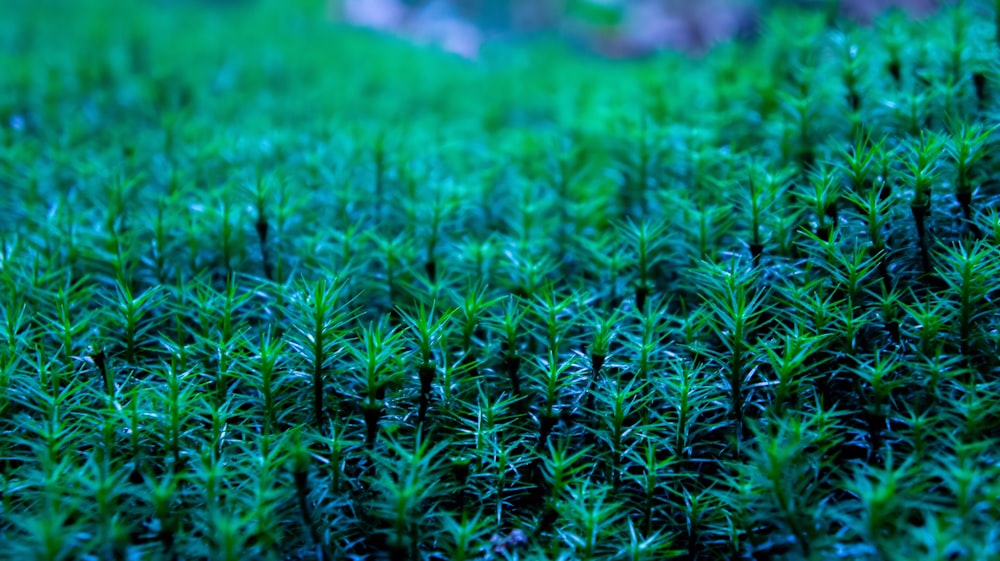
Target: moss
[278, 289]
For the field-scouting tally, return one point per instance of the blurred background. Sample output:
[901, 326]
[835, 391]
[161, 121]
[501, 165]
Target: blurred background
[613, 28]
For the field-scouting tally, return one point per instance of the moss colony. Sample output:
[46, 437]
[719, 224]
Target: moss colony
[272, 289]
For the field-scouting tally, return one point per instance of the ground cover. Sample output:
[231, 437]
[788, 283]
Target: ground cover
[277, 289]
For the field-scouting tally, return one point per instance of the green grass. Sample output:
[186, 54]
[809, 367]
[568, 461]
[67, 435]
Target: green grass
[276, 289]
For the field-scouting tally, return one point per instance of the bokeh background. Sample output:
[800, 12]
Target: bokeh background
[613, 28]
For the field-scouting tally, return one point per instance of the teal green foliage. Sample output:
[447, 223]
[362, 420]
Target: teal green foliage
[271, 288]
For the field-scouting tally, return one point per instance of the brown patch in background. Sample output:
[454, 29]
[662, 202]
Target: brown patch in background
[647, 25]
[866, 11]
